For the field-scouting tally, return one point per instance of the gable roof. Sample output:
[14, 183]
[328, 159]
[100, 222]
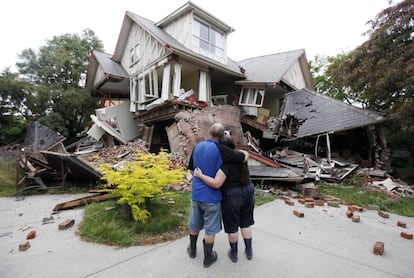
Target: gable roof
[270, 68]
[168, 42]
[109, 66]
[318, 114]
[190, 6]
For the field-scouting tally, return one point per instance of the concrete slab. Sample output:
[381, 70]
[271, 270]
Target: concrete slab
[325, 243]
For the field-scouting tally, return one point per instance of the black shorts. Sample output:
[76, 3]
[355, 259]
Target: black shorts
[237, 208]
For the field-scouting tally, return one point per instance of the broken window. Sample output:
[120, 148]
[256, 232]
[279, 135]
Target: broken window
[134, 54]
[208, 38]
[252, 97]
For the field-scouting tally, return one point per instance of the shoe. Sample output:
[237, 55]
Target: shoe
[210, 256]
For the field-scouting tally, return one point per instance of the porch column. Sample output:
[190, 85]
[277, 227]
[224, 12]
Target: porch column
[177, 80]
[166, 82]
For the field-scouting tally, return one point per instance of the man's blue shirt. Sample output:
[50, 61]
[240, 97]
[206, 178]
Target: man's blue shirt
[206, 156]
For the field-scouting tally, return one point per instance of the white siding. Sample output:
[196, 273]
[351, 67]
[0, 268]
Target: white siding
[294, 76]
[150, 50]
[181, 29]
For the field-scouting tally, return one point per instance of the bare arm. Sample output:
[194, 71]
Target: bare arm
[215, 182]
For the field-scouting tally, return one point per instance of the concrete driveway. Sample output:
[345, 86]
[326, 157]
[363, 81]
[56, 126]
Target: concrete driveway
[324, 243]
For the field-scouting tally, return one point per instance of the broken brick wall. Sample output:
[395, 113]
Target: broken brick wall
[193, 126]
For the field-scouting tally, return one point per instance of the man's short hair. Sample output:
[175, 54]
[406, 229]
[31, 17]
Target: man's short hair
[217, 130]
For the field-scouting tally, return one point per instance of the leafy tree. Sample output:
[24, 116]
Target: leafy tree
[54, 72]
[13, 97]
[380, 72]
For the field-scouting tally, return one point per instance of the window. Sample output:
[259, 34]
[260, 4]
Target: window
[252, 97]
[134, 54]
[208, 38]
[149, 83]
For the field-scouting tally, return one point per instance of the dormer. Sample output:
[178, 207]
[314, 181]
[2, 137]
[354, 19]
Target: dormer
[199, 31]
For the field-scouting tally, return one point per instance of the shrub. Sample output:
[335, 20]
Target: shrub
[137, 182]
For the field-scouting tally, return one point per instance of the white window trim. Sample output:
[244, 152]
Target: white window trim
[209, 42]
[251, 91]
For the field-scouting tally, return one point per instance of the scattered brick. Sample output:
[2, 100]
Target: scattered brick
[333, 204]
[383, 214]
[402, 224]
[31, 234]
[24, 246]
[349, 213]
[355, 218]
[379, 248]
[298, 213]
[309, 205]
[289, 202]
[66, 224]
[309, 199]
[345, 202]
[302, 201]
[373, 207]
[295, 196]
[285, 197]
[319, 203]
[406, 235]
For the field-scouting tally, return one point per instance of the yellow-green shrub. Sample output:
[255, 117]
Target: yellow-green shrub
[140, 180]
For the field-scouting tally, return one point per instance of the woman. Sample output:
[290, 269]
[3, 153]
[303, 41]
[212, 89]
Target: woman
[238, 199]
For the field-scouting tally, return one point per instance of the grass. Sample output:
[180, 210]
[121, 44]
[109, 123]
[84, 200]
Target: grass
[353, 191]
[263, 197]
[7, 176]
[116, 226]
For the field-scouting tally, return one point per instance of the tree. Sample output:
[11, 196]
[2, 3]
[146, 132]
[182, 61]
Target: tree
[380, 72]
[13, 97]
[54, 72]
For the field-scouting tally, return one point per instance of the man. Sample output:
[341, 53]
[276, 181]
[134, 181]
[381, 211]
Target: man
[205, 210]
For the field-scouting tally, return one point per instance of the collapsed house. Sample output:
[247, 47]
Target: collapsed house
[172, 79]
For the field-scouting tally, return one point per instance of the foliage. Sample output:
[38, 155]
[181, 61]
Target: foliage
[7, 176]
[13, 97]
[262, 197]
[114, 226]
[52, 77]
[380, 72]
[139, 181]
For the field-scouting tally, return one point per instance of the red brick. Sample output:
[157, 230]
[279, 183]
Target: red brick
[290, 202]
[298, 213]
[355, 208]
[24, 246]
[406, 235]
[383, 214]
[320, 203]
[295, 196]
[309, 205]
[284, 197]
[31, 234]
[349, 213]
[402, 224]
[302, 201]
[345, 202]
[379, 248]
[309, 199]
[355, 218]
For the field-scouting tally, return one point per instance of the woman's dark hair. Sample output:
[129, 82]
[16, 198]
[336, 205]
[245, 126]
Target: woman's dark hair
[228, 141]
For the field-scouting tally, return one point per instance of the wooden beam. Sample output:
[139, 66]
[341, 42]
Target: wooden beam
[83, 201]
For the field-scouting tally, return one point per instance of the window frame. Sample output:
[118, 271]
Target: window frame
[213, 45]
[251, 99]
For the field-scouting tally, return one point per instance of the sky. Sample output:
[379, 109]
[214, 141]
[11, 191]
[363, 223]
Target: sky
[321, 27]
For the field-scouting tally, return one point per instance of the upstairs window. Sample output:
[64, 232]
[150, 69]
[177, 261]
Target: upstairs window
[134, 54]
[208, 38]
[252, 97]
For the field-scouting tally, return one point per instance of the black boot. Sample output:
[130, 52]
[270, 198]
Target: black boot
[233, 252]
[210, 256]
[191, 249]
[249, 250]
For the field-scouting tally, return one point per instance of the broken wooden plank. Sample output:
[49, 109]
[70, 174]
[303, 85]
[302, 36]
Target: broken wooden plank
[83, 201]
